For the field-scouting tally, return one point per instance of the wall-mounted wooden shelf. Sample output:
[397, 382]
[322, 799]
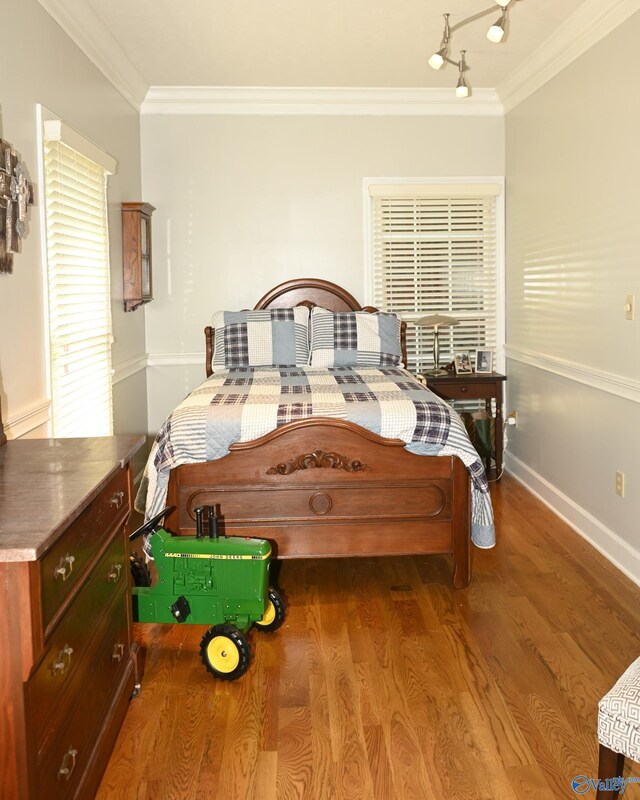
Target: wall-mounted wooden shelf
[136, 254]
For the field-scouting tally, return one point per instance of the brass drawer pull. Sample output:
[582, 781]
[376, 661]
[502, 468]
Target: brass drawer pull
[117, 499]
[66, 771]
[61, 569]
[59, 665]
[118, 652]
[463, 388]
[114, 574]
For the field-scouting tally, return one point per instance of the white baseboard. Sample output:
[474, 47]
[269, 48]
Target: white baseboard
[605, 541]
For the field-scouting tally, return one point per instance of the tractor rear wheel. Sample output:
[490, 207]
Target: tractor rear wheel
[274, 612]
[225, 652]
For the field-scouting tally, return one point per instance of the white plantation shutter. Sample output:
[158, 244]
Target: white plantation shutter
[435, 249]
[79, 292]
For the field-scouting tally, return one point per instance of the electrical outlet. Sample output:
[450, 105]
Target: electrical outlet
[630, 306]
[619, 483]
[512, 419]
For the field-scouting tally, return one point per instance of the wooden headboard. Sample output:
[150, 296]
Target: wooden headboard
[308, 292]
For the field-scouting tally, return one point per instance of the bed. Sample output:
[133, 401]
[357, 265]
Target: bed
[325, 486]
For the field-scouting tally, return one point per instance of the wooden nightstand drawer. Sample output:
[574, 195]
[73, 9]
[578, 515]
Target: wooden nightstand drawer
[72, 640]
[475, 391]
[64, 565]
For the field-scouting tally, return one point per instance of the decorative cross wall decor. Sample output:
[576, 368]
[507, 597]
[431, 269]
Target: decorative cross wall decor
[16, 193]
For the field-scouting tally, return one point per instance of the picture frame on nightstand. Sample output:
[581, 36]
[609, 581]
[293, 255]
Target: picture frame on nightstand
[462, 363]
[484, 361]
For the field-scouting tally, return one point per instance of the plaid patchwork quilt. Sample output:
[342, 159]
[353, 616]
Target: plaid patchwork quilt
[241, 404]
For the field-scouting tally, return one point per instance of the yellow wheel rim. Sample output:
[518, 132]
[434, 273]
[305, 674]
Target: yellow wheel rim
[223, 654]
[269, 614]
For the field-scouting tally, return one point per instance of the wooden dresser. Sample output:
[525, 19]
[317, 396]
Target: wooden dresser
[68, 665]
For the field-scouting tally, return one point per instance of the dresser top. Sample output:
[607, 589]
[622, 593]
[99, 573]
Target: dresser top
[46, 483]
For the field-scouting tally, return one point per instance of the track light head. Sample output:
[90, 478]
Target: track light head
[437, 59]
[496, 31]
[462, 90]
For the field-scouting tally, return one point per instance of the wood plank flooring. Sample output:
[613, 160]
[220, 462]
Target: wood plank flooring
[385, 682]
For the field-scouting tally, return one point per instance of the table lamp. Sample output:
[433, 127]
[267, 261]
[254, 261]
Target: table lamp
[436, 321]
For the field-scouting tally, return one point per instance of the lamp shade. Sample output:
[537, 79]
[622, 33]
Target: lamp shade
[436, 320]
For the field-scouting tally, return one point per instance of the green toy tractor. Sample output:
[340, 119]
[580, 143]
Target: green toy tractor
[221, 581]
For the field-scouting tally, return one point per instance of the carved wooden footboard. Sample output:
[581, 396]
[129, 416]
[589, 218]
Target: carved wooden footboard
[326, 487]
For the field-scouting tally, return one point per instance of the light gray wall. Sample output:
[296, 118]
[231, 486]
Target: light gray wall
[248, 202]
[573, 245]
[40, 64]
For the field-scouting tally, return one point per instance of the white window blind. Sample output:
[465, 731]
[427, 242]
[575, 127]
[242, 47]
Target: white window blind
[80, 331]
[435, 249]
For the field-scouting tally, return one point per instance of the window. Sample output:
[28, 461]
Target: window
[437, 248]
[78, 281]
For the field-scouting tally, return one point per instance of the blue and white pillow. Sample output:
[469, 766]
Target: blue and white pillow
[277, 337]
[355, 339]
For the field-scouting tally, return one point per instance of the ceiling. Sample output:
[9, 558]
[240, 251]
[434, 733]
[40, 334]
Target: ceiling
[319, 43]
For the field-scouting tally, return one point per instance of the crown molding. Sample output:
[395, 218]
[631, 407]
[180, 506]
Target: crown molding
[590, 23]
[336, 101]
[90, 34]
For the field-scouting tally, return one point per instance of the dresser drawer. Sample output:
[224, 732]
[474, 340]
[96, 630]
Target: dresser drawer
[472, 391]
[69, 749]
[73, 640]
[63, 566]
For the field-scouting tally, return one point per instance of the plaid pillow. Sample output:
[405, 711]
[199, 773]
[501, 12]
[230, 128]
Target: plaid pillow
[277, 337]
[354, 339]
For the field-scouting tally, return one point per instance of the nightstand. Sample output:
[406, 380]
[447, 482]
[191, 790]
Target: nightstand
[485, 386]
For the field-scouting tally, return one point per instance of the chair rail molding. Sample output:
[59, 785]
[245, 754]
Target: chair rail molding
[129, 368]
[618, 385]
[28, 420]
[176, 359]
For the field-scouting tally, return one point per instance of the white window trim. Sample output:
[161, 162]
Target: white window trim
[438, 184]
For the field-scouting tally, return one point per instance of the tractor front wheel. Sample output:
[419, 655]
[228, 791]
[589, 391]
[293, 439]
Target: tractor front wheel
[274, 612]
[225, 652]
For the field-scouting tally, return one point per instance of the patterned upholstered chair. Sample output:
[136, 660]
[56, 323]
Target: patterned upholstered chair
[619, 727]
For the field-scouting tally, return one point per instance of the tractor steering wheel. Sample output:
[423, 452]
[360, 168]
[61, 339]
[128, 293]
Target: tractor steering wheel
[151, 526]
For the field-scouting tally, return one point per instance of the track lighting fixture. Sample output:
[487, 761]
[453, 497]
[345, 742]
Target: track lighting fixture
[494, 34]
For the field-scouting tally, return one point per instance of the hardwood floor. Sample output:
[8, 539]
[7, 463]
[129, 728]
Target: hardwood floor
[385, 682]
